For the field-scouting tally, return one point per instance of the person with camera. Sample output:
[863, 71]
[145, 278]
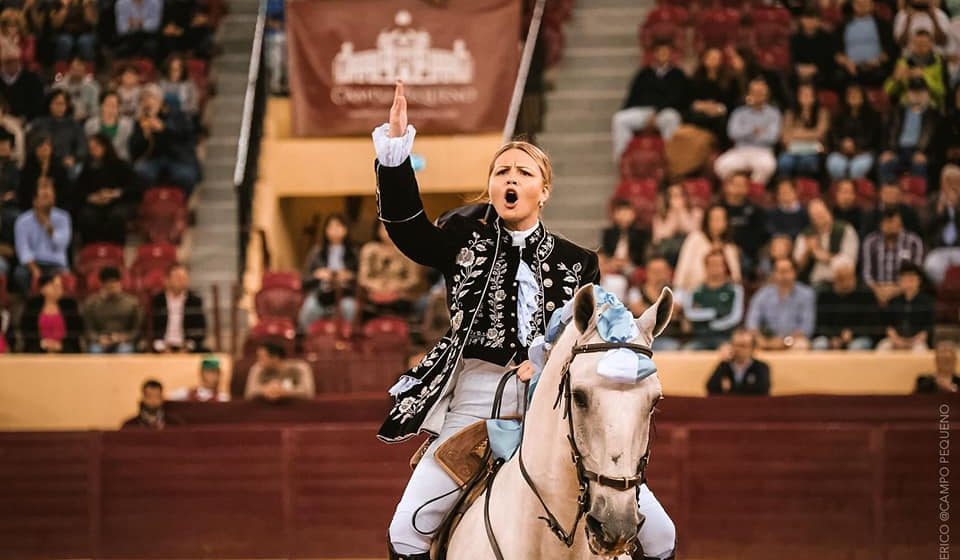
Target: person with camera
[922, 15]
[163, 143]
[921, 62]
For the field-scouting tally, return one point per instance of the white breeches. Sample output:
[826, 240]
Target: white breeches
[431, 493]
[755, 160]
[626, 122]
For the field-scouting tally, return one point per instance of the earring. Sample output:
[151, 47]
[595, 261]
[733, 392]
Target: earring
[541, 204]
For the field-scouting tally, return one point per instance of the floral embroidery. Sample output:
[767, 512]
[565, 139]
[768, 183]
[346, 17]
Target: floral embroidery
[496, 334]
[571, 277]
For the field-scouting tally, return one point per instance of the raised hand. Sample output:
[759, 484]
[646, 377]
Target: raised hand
[398, 113]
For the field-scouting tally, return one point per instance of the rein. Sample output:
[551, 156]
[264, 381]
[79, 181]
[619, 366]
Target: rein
[584, 475]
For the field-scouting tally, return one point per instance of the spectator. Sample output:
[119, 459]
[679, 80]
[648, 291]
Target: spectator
[138, 22]
[66, 134]
[178, 321]
[854, 135]
[845, 205]
[179, 91]
[42, 238]
[845, 313]
[641, 297]
[912, 131]
[74, 25]
[910, 314]
[50, 322]
[740, 373]
[825, 241]
[623, 244]
[920, 63]
[112, 317]
[944, 231]
[387, 278]
[273, 377]
[748, 222]
[108, 188]
[780, 247]
[867, 46]
[812, 50]
[783, 313]
[186, 28]
[714, 234]
[330, 270]
[675, 219]
[658, 93]
[891, 197]
[129, 88]
[754, 129]
[82, 87]
[163, 143]
[22, 88]
[11, 125]
[883, 253]
[714, 91]
[9, 209]
[42, 166]
[922, 16]
[944, 379]
[715, 308]
[152, 415]
[208, 390]
[117, 127]
[275, 43]
[805, 129]
[788, 217]
[14, 34]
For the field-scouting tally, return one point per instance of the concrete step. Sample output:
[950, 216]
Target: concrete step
[580, 121]
[583, 57]
[604, 38]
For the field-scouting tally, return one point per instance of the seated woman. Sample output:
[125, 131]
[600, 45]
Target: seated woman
[676, 218]
[51, 323]
[805, 128]
[69, 145]
[116, 126]
[41, 164]
[714, 91]
[329, 271]
[714, 235]
[854, 137]
[108, 190]
[387, 277]
[178, 89]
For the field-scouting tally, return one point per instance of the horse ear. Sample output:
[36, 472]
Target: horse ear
[657, 316]
[584, 307]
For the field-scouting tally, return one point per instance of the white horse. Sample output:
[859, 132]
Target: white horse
[610, 425]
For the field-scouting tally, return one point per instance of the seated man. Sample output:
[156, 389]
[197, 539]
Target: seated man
[912, 133]
[883, 253]
[910, 314]
[42, 237]
[945, 378]
[152, 415]
[209, 388]
[658, 93]
[273, 377]
[754, 129]
[847, 317]
[866, 45]
[782, 313]
[920, 62]
[112, 317]
[824, 241]
[739, 373]
[179, 324]
[622, 248]
[639, 298]
[163, 143]
[716, 307]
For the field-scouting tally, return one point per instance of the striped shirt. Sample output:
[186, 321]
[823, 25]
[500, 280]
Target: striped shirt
[881, 262]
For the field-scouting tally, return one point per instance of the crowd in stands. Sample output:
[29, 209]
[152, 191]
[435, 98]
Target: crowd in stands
[100, 118]
[802, 183]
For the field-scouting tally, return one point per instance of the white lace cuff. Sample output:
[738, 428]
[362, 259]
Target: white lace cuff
[393, 151]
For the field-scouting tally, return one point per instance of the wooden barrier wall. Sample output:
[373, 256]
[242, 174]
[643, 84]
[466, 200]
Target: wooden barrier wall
[791, 478]
[98, 392]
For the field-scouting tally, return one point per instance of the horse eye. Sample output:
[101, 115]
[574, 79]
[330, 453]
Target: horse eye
[580, 398]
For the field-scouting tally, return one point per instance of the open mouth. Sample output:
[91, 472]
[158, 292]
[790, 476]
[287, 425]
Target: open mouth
[511, 198]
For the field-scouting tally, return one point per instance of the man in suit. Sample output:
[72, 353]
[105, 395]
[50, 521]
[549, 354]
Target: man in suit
[179, 324]
[742, 374]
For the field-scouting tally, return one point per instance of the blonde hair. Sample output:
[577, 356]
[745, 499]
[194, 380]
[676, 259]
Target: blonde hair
[538, 155]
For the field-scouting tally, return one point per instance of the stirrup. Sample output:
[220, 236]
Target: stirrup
[394, 555]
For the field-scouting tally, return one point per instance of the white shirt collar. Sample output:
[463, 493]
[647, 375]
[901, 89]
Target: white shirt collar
[519, 237]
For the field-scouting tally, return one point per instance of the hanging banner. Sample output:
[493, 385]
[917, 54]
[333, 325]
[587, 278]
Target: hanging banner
[458, 60]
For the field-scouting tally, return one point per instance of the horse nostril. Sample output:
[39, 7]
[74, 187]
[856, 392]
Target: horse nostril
[596, 527]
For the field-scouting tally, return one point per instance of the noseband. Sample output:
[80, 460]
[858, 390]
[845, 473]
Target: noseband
[585, 475]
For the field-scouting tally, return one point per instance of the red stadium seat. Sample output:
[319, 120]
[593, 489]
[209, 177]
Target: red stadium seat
[156, 254]
[774, 58]
[672, 13]
[4, 296]
[914, 190]
[829, 100]
[642, 195]
[278, 302]
[163, 214]
[95, 256]
[866, 193]
[278, 331]
[699, 190]
[758, 194]
[879, 100]
[718, 27]
[276, 279]
[652, 33]
[149, 270]
[948, 297]
[148, 281]
[807, 189]
[643, 158]
[383, 333]
[326, 339]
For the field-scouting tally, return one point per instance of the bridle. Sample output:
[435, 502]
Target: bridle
[584, 475]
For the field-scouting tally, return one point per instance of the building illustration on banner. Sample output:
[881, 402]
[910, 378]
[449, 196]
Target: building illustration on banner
[404, 53]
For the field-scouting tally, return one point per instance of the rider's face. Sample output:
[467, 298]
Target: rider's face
[517, 189]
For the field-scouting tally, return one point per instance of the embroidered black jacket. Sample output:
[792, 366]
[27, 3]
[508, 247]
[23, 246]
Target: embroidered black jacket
[479, 266]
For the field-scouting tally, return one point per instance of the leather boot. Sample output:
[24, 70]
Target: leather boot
[394, 555]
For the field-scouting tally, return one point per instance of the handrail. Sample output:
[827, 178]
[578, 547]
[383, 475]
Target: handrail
[249, 96]
[520, 84]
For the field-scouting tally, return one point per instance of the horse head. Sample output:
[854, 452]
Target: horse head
[610, 414]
